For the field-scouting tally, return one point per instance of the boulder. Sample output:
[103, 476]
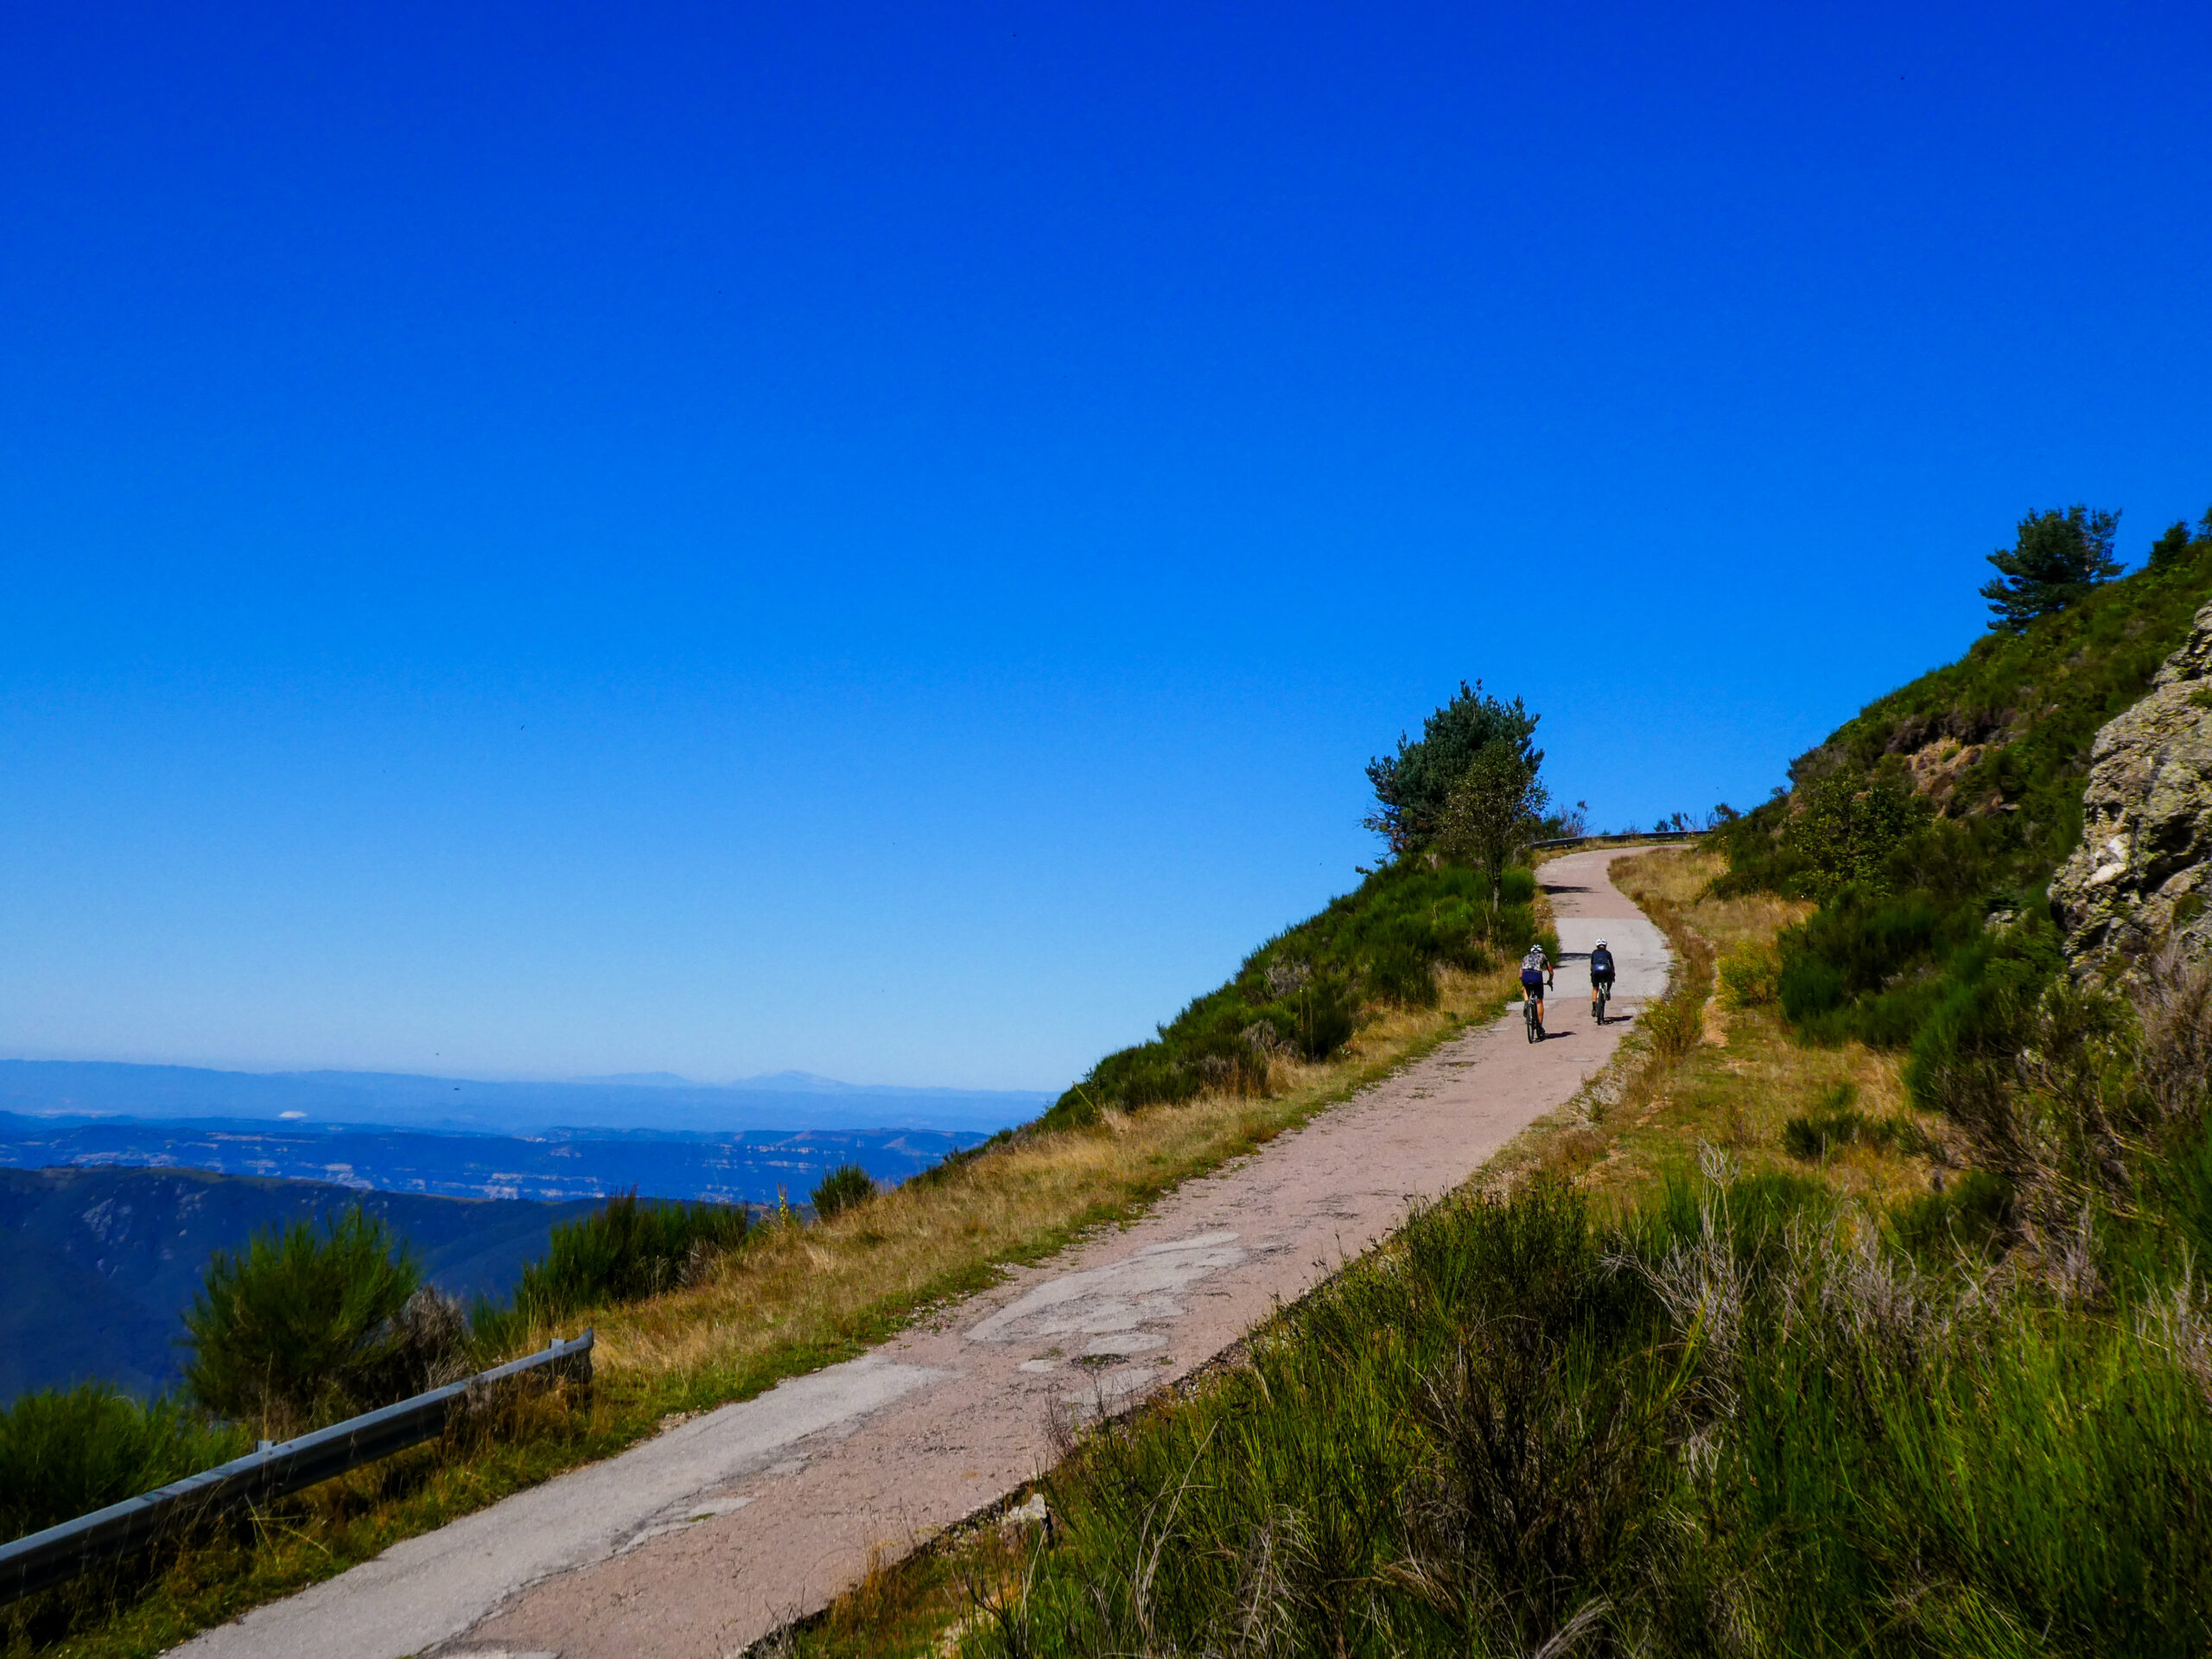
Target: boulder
[2146, 834]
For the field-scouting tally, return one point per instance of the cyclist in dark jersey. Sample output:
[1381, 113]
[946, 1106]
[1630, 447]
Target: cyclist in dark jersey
[1601, 973]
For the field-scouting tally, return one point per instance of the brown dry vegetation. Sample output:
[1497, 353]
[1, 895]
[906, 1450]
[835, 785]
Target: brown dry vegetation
[796, 1298]
[819, 1286]
[1711, 1068]
[1737, 1094]
[1653, 1113]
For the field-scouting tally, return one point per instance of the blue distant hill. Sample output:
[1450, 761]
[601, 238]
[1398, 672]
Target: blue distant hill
[787, 1101]
[116, 1182]
[97, 1266]
[752, 1166]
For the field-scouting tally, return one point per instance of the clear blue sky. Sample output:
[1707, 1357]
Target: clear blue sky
[545, 540]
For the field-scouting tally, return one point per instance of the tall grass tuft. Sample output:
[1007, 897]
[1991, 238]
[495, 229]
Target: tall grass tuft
[1738, 1420]
[65, 1452]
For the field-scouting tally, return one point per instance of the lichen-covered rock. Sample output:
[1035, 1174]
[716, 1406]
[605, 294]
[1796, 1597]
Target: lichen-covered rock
[2146, 833]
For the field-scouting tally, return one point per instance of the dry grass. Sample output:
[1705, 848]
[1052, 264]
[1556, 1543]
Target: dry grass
[1731, 1080]
[822, 1286]
[794, 1299]
[1735, 1088]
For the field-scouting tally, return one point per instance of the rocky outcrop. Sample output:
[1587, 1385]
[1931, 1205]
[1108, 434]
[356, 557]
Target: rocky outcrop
[1937, 767]
[2146, 844]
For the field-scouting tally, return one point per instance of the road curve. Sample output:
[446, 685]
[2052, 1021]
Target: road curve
[710, 1535]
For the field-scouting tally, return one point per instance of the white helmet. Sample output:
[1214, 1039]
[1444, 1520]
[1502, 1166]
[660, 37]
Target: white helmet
[1601, 944]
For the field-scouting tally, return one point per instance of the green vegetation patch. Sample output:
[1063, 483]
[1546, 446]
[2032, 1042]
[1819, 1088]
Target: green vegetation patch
[1301, 995]
[841, 1189]
[624, 1251]
[1930, 826]
[66, 1451]
[309, 1324]
[1736, 1421]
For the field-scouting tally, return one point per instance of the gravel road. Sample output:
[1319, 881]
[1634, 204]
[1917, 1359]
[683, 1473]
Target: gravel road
[717, 1531]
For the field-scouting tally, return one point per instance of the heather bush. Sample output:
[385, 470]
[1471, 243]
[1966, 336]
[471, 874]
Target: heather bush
[624, 1251]
[309, 1323]
[65, 1453]
[841, 1189]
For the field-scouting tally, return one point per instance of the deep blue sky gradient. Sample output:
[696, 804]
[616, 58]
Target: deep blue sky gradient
[549, 540]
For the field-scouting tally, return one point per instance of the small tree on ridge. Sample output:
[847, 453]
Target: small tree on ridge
[1413, 786]
[2059, 557]
[1497, 801]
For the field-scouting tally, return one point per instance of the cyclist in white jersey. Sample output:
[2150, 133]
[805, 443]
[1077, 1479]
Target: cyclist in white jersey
[1536, 972]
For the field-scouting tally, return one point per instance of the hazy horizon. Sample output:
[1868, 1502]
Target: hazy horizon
[881, 542]
[789, 1077]
[50, 1089]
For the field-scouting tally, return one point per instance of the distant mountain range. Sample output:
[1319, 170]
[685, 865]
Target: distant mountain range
[117, 1180]
[786, 1101]
[749, 1166]
[97, 1266]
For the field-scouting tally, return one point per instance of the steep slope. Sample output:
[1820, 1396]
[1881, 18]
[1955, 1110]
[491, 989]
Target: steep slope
[1930, 824]
[2138, 877]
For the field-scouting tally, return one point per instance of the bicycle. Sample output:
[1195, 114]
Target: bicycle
[1533, 1012]
[1605, 990]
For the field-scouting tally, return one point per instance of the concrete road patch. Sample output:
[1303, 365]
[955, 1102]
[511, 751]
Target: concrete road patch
[713, 1534]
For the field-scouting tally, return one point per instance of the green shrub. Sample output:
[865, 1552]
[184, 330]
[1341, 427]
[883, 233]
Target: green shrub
[1675, 1024]
[67, 1452]
[1971, 1215]
[841, 1189]
[623, 1252]
[308, 1323]
[1748, 977]
[1847, 827]
[1301, 995]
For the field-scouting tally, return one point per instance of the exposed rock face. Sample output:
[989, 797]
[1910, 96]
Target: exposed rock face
[1936, 768]
[2146, 824]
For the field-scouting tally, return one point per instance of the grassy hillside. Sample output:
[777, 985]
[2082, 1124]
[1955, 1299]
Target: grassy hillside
[1741, 1354]
[1950, 803]
[1379, 976]
[1859, 1312]
[1301, 995]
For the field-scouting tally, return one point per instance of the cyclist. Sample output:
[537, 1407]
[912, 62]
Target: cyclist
[1536, 972]
[1601, 974]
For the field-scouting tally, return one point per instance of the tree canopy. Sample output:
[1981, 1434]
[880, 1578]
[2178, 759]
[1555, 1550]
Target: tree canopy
[1413, 787]
[1493, 809]
[2059, 557]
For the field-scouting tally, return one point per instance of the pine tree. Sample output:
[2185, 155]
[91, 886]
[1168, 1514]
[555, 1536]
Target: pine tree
[2059, 557]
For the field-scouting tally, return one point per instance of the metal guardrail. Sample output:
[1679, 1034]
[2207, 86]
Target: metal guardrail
[62, 1552]
[1600, 840]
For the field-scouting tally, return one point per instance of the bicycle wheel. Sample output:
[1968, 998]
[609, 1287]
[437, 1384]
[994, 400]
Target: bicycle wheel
[1534, 1023]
